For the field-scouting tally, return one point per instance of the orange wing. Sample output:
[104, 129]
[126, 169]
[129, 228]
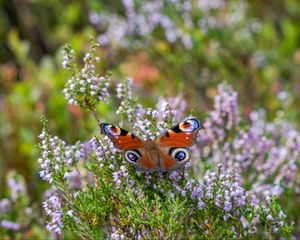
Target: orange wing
[143, 158]
[156, 159]
[135, 151]
[121, 138]
[168, 153]
[167, 162]
[173, 145]
[149, 160]
[181, 135]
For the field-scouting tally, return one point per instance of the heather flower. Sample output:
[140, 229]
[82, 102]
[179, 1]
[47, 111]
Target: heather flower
[85, 87]
[148, 123]
[269, 146]
[4, 204]
[16, 207]
[52, 207]
[141, 21]
[57, 157]
[176, 107]
[16, 185]
[96, 194]
[127, 106]
[68, 56]
[74, 180]
[104, 150]
[244, 222]
[117, 176]
[10, 225]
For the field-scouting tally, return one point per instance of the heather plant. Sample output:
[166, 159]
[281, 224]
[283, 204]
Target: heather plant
[96, 194]
[232, 40]
[249, 44]
[182, 50]
[19, 216]
[175, 22]
[266, 153]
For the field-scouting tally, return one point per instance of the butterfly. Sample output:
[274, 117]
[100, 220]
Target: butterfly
[168, 152]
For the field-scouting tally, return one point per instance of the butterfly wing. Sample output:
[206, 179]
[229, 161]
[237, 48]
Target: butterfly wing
[173, 144]
[135, 150]
[121, 138]
[182, 134]
[167, 153]
[149, 160]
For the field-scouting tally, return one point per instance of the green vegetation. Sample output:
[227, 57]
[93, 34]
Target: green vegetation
[232, 64]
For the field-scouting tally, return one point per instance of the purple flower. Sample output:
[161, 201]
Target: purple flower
[52, 207]
[16, 185]
[4, 205]
[171, 194]
[10, 225]
[244, 222]
[200, 205]
[270, 218]
[196, 193]
[227, 206]
[85, 83]
[272, 147]
[74, 180]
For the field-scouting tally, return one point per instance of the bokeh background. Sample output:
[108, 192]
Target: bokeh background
[169, 48]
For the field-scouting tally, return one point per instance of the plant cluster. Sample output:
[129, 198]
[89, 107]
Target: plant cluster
[19, 216]
[203, 43]
[96, 194]
[182, 50]
[265, 153]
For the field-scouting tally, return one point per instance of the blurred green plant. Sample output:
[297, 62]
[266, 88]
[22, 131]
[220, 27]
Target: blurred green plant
[95, 195]
[20, 217]
[257, 52]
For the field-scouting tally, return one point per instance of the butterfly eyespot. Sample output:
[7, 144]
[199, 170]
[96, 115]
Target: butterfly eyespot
[111, 130]
[180, 154]
[189, 125]
[132, 156]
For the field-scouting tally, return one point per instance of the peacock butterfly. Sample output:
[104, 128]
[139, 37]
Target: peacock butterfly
[168, 152]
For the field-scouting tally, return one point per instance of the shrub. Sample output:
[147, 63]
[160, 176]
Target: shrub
[96, 194]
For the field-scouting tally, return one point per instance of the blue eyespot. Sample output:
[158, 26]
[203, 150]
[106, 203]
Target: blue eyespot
[180, 154]
[189, 125]
[132, 156]
[195, 123]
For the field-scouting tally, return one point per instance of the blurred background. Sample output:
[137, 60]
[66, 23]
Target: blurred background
[169, 48]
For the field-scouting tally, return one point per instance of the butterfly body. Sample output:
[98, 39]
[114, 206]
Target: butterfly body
[169, 152]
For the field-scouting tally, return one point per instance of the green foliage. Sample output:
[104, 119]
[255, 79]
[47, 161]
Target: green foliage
[128, 203]
[253, 47]
[20, 217]
[95, 194]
